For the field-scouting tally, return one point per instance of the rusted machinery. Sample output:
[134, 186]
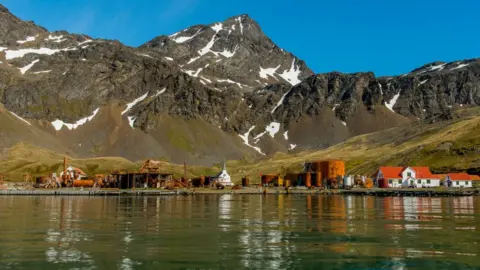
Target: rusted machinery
[151, 166]
[272, 180]
[87, 183]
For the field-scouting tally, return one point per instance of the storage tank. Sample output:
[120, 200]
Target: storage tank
[286, 183]
[293, 177]
[308, 179]
[318, 179]
[83, 183]
[347, 181]
[316, 166]
[332, 168]
[245, 182]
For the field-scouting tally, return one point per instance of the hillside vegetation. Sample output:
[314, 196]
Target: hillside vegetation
[444, 146]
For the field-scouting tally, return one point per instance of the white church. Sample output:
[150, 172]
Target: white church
[223, 177]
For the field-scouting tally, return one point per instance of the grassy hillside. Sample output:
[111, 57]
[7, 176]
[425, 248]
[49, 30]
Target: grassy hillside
[446, 146]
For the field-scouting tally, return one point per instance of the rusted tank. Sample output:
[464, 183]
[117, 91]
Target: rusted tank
[286, 183]
[245, 182]
[293, 177]
[266, 178]
[318, 179]
[308, 179]
[83, 183]
[316, 166]
[332, 168]
[202, 180]
[368, 183]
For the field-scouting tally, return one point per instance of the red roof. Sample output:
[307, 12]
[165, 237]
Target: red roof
[459, 176]
[396, 172]
[475, 177]
[391, 172]
[423, 172]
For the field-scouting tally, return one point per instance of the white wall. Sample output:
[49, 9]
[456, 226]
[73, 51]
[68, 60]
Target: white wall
[405, 173]
[423, 183]
[395, 183]
[406, 182]
[461, 183]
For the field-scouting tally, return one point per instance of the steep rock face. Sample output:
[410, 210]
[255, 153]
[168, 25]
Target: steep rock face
[206, 93]
[232, 54]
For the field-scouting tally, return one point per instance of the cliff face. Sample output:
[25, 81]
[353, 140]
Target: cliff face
[203, 94]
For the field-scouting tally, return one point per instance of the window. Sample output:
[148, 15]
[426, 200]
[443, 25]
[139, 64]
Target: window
[458, 183]
[466, 183]
[409, 174]
[399, 182]
[428, 181]
[390, 181]
[419, 181]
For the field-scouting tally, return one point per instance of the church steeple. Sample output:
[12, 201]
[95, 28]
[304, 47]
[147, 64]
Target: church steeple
[224, 168]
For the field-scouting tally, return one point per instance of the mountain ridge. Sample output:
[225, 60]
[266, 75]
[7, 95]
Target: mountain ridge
[205, 93]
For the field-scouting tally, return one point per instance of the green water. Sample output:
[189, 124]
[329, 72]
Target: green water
[239, 232]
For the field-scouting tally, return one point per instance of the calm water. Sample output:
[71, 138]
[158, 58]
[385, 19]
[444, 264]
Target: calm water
[239, 232]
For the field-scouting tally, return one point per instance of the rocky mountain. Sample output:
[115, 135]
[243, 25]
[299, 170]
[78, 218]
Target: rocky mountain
[200, 95]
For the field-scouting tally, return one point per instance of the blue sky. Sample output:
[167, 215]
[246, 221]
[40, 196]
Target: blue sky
[388, 37]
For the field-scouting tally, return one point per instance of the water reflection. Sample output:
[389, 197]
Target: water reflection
[235, 231]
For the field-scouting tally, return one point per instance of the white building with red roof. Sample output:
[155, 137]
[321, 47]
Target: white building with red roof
[396, 177]
[458, 180]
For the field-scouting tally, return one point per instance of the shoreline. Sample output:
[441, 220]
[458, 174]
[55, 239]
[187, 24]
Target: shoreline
[245, 191]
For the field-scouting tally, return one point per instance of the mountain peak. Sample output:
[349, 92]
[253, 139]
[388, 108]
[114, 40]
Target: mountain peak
[4, 9]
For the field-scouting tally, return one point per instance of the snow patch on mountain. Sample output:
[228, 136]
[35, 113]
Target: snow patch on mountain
[239, 20]
[56, 39]
[28, 39]
[58, 124]
[145, 55]
[381, 89]
[217, 27]
[292, 146]
[246, 142]
[133, 103]
[280, 102]
[291, 75]
[43, 71]
[460, 66]
[230, 81]
[392, 102]
[265, 72]
[285, 135]
[12, 54]
[169, 58]
[24, 69]
[422, 82]
[193, 73]
[273, 128]
[161, 92]
[184, 39]
[131, 120]
[437, 67]
[84, 42]
[229, 54]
